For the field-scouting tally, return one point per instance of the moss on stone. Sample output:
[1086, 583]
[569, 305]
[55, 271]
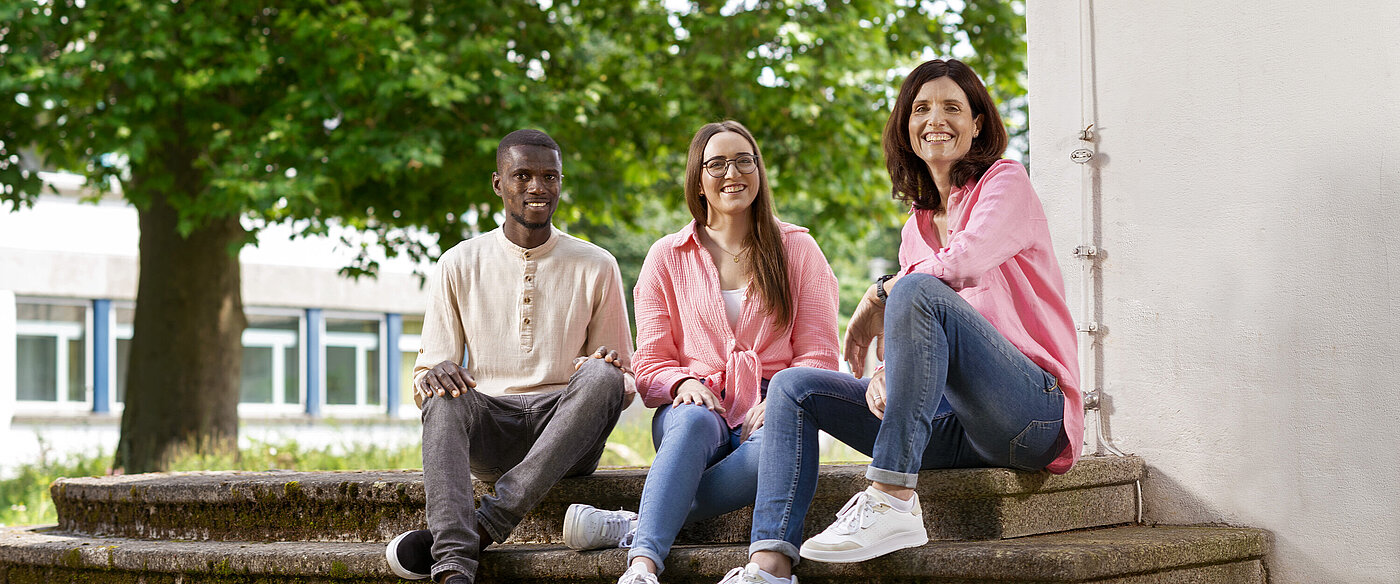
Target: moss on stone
[72, 558]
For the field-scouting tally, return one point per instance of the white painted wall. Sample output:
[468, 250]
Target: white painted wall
[1249, 192]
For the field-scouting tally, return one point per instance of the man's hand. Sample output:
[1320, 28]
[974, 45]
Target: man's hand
[867, 325]
[753, 420]
[604, 353]
[691, 391]
[875, 394]
[446, 379]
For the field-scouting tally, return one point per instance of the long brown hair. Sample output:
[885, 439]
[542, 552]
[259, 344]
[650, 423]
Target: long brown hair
[910, 175]
[767, 256]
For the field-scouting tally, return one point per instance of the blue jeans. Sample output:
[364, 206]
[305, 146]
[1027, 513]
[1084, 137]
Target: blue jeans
[958, 394]
[701, 470]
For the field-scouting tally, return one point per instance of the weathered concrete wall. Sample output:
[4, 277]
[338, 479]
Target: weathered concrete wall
[1248, 184]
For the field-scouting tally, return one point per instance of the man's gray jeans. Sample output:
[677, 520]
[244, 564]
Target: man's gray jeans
[525, 443]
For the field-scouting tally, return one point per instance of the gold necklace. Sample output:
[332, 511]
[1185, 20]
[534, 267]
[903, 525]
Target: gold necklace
[733, 255]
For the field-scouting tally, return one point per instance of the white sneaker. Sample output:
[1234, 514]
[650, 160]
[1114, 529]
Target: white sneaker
[867, 527]
[636, 574]
[751, 574]
[587, 527]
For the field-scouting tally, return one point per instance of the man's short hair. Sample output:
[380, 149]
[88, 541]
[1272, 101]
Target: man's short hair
[525, 138]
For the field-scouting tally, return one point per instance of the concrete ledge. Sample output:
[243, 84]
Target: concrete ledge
[962, 504]
[1128, 555]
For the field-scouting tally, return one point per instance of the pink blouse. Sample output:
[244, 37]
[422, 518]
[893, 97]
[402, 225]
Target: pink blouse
[997, 255]
[682, 330]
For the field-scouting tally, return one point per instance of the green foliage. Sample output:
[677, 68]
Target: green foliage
[24, 497]
[386, 114]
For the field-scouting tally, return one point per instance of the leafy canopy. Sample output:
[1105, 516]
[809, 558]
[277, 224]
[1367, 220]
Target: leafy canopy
[386, 114]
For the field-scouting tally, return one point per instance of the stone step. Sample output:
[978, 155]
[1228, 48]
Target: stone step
[962, 504]
[1126, 555]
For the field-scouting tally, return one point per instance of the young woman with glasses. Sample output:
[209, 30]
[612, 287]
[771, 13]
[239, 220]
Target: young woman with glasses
[722, 305]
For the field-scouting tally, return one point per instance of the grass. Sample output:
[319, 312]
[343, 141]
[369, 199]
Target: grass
[24, 499]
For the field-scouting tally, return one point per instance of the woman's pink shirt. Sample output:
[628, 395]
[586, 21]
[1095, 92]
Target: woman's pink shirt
[682, 330]
[997, 256]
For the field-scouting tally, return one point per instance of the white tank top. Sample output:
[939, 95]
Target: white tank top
[733, 304]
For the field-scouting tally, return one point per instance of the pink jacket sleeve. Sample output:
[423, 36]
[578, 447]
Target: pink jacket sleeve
[814, 340]
[655, 362]
[997, 228]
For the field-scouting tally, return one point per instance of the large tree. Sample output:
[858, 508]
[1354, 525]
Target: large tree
[217, 117]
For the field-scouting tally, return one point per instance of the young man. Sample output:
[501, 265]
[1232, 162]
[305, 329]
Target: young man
[523, 307]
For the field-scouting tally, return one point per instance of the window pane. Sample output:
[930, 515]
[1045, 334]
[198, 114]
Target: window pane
[372, 377]
[292, 392]
[123, 357]
[37, 362]
[406, 378]
[40, 311]
[340, 375]
[257, 375]
[340, 325]
[412, 325]
[77, 366]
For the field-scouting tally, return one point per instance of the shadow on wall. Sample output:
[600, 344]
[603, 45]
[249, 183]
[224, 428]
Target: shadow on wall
[1172, 503]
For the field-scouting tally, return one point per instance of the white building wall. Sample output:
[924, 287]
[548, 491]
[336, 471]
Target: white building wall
[1249, 200]
[62, 247]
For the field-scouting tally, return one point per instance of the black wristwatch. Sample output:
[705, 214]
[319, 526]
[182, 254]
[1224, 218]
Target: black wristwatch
[880, 287]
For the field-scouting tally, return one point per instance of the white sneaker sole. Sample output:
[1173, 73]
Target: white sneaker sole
[887, 545]
[393, 558]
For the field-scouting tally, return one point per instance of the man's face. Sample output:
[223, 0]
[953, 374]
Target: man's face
[527, 180]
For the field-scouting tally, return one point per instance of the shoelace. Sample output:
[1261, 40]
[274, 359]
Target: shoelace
[743, 575]
[637, 576]
[620, 525]
[852, 517]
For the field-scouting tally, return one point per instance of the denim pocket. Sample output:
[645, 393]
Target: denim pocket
[1037, 445]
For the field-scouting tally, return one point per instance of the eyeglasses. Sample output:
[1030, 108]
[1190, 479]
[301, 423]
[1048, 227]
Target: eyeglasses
[719, 165]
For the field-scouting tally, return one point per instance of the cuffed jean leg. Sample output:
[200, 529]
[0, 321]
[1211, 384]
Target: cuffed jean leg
[802, 401]
[572, 426]
[689, 438]
[941, 350]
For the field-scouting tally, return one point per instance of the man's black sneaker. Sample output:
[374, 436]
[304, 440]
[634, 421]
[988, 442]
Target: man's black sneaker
[410, 555]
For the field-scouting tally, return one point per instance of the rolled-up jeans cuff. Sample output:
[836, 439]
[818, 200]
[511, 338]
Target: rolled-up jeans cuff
[452, 567]
[775, 545]
[635, 553]
[889, 477]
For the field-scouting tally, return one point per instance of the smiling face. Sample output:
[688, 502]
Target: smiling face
[733, 192]
[941, 125]
[528, 179]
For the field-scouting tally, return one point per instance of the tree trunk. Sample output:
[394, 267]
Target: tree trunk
[186, 346]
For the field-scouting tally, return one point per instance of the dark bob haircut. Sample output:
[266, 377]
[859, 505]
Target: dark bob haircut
[909, 174]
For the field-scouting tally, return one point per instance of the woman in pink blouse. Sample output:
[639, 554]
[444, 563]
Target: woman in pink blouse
[722, 305]
[979, 349]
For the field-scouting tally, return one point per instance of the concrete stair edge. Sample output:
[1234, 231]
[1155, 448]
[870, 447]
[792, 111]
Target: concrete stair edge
[405, 486]
[374, 505]
[1087, 555]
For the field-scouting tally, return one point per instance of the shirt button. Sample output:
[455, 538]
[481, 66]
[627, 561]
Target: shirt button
[527, 255]
[529, 278]
[527, 299]
[527, 321]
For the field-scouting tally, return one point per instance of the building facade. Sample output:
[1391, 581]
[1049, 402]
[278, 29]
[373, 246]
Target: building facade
[320, 351]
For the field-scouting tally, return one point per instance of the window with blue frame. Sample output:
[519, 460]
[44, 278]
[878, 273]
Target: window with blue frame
[51, 352]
